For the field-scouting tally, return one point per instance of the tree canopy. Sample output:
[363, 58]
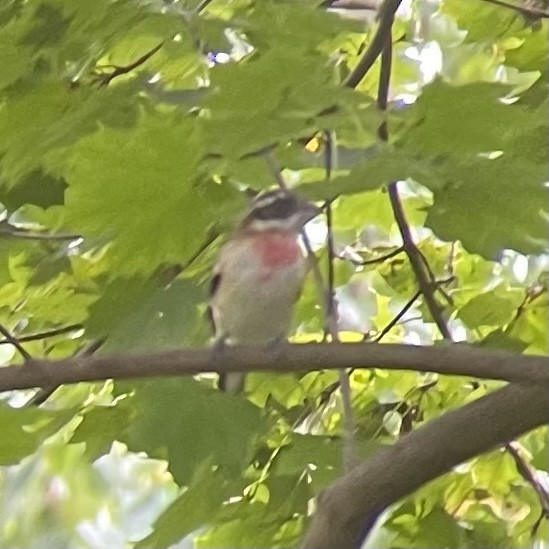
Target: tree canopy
[408, 409]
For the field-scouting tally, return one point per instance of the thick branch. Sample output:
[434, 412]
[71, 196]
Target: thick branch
[451, 359]
[348, 505]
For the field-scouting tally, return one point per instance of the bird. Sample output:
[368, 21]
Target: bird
[259, 275]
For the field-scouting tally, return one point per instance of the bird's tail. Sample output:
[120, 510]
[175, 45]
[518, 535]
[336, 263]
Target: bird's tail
[232, 383]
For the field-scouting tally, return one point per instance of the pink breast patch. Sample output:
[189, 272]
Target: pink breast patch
[277, 249]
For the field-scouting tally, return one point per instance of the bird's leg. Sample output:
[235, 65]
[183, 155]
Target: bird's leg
[219, 346]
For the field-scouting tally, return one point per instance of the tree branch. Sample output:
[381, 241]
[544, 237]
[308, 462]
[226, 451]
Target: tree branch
[346, 507]
[331, 321]
[417, 262]
[397, 317]
[15, 342]
[45, 392]
[386, 15]
[530, 11]
[448, 359]
[10, 231]
[529, 475]
[364, 262]
[106, 78]
[44, 335]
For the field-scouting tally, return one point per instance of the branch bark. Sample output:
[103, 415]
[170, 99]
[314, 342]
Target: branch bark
[386, 15]
[521, 8]
[348, 505]
[449, 359]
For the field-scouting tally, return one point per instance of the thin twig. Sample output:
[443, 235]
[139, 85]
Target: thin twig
[397, 317]
[202, 6]
[386, 15]
[331, 321]
[423, 273]
[351, 5]
[379, 259]
[384, 81]
[525, 10]
[417, 264]
[15, 342]
[44, 335]
[350, 453]
[13, 232]
[313, 261]
[529, 475]
[106, 78]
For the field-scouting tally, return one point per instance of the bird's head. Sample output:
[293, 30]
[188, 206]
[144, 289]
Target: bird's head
[279, 210]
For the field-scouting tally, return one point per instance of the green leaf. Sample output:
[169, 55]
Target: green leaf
[36, 188]
[374, 208]
[295, 25]
[494, 308]
[49, 115]
[533, 51]
[439, 529]
[250, 107]
[274, 519]
[499, 339]
[491, 205]
[185, 422]
[464, 119]
[532, 325]
[24, 429]
[320, 456]
[196, 507]
[484, 21]
[381, 170]
[142, 189]
[101, 425]
[137, 314]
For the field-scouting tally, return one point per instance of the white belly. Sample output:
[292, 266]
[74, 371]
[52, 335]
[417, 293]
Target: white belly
[251, 308]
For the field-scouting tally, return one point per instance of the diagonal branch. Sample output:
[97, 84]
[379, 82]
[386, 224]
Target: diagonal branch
[529, 11]
[346, 507]
[15, 342]
[529, 475]
[106, 78]
[447, 359]
[418, 265]
[386, 15]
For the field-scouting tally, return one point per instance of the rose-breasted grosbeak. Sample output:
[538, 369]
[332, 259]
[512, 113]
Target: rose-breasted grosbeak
[259, 275]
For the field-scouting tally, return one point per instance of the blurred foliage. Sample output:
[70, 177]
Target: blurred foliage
[128, 131]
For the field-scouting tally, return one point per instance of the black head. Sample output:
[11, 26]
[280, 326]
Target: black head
[279, 209]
